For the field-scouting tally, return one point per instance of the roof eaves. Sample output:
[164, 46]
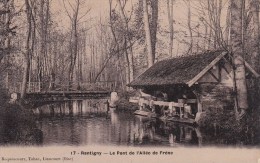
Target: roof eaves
[206, 69]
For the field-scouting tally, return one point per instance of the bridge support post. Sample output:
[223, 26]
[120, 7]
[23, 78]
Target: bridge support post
[70, 108]
[113, 99]
[52, 110]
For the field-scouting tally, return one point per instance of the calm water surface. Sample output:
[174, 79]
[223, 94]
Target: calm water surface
[87, 122]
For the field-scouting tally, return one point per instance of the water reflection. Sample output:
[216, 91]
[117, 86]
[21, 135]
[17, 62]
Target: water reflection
[88, 122]
[147, 132]
[75, 108]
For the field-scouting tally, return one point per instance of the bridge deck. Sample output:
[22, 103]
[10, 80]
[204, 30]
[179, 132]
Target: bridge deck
[65, 95]
[66, 92]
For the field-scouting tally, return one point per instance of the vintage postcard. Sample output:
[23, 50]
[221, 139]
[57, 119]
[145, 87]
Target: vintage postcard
[170, 81]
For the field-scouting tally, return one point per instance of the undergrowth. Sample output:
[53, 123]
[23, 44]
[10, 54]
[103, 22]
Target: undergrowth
[219, 123]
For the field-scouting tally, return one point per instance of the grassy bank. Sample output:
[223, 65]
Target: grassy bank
[17, 124]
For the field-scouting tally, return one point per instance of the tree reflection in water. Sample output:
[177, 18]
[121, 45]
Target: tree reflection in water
[88, 122]
[149, 131]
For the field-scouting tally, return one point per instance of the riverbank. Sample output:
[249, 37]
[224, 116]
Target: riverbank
[219, 123]
[17, 124]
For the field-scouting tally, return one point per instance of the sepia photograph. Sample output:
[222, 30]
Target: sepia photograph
[130, 81]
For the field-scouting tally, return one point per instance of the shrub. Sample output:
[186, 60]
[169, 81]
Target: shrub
[17, 123]
[123, 103]
[222, 127]
[221, 119]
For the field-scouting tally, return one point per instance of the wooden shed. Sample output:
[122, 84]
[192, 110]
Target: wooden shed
[198, 81]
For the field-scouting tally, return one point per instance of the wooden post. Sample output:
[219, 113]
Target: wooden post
[107, 108]
[70, 108]
[52, 110]
[199, 135]
[151, 105]
[199, 107]
[7, 80]
[140, 102]
[20, 86]
[29, 86]
[61, 112]
[198, 101]
[39, 86]
[181, 113]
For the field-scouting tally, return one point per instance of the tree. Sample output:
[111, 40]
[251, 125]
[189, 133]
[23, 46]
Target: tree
[128, 41]
[27, 53]
[170, 20]
[210, 14]
[236, 31]
[251, 44]
[189, 26]
[6, 28]
[254, 10]
[74, 18]
[154, 26]
[150, 56]
[44, 18]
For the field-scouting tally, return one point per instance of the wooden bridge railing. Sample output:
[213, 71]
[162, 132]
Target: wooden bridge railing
[75, 86]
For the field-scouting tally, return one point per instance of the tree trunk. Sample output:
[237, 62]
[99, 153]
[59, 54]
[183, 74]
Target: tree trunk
[237, 50]
[218, 24]
[46, 37]
[255, 44]
[255, 56]
[74, 42]
[26, 63]
[41, 57]
[190, 29]
[53, 64]
[170, 19]
[75, 49]
[129, 57]
[150, 57]
[153, 29]
[227, 33]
